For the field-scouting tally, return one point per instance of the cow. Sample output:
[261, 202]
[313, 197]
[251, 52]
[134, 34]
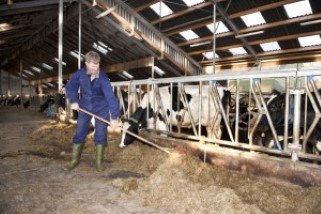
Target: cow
[276, 109]
[180, 117]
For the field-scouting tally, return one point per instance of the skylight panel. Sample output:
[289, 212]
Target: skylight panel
[270, 46]
[209, 55]
[57, 60]
[46, 66]
[253, 19]
[309, 40]
[299, 8]
[35, 69]
[220, 27]
[238, 51]
[192, 2]
[161, 9]
[128, 75]
[159, 71]
[189, 34]
[28, 72]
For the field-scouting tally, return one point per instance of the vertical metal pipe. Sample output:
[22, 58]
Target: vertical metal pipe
[214, 36]
[20, 71]
[171, 109]
[1, 83]
[286, 113]
[237, 110]
[297, 115]
[60, 29]
[148, 101]
[153, 68]
[200, 109]
[9, 85]
[79, 32]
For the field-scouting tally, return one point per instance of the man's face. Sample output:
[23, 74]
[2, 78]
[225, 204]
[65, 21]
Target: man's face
[92, 68]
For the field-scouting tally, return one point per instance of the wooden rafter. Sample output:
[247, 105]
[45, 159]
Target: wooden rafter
[257, 42]
[232, 16]
[264, 55]
[255, 28]
[182, 12]
[144, 6]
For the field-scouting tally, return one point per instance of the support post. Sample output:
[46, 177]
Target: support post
[60, 29]
[286, 113]
[79, 33]
[214, 35]
[237, 110]
[1, 83]
[20, 71]
[295, 145]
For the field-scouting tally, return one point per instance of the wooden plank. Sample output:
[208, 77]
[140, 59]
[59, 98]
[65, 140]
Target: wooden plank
[182, 12]
[139, 63]
[248, 163]
[262, 8]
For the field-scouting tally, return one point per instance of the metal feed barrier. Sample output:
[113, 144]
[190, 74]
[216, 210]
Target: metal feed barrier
[253, 86]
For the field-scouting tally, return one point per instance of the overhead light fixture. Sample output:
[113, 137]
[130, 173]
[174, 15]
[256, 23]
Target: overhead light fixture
[105, 13]
[159, 71]
[249, 34]
[57, 60]
[310, 22]
[127, 75]
[36, 69]
[201, 43]
[47, 66]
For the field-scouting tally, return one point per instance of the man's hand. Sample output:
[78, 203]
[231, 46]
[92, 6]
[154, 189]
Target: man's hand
[74, 106]
[114, 124]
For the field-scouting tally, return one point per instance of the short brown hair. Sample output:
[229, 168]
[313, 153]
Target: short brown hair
[92, 56]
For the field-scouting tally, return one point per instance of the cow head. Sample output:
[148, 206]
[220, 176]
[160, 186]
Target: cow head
[133, 124]
[276, 108]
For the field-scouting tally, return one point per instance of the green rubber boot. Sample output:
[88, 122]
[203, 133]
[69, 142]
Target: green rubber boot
[100, 150]
[76, 154]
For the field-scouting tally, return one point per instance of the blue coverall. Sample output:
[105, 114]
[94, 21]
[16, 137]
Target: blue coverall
[97, 98]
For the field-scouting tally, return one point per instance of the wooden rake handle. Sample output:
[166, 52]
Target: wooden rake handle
[128, 132]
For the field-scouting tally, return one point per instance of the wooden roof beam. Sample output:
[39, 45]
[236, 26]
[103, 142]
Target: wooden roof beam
[255, 28]
[182, 12]
[273, 39]
[144, 6]
[264, 55]
[171, 31]
[261, 8]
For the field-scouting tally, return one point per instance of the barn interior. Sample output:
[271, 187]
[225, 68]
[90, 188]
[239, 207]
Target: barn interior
[145, 42]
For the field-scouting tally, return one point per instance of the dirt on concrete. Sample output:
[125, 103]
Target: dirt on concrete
[137, 179]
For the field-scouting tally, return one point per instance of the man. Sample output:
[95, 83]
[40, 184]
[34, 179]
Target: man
[96, 96]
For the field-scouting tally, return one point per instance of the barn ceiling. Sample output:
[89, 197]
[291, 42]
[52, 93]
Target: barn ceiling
[247, 31]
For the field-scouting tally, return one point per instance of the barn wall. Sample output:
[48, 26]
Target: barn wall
[11, 85]
[267, 85]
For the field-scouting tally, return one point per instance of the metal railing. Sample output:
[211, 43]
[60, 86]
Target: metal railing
[292, 142]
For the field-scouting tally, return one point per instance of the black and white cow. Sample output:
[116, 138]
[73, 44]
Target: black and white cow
[276, 109]
[179, 115]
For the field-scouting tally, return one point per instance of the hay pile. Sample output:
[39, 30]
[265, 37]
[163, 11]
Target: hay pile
[181, 183]
[174, 186]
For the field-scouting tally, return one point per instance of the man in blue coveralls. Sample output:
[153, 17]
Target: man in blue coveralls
[96, 96]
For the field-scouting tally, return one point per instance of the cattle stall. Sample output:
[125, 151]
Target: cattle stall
[249, 117]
